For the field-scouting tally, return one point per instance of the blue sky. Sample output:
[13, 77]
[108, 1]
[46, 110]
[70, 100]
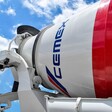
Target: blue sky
[37, 13]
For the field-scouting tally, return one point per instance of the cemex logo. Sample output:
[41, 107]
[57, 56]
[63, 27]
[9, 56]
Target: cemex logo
[56, 61]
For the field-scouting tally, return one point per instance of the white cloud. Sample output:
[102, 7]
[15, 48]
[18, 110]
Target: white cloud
[46, 8]
[66, 13]
[43, 7]
[9, 11]
[43, 3]
[1, 1]
[51, 4]
[4, 43]
[77, 7]
[34, 9]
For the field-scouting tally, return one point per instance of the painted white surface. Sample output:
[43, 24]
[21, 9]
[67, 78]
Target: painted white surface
[83, 105]
[26, 49]
[76, 53]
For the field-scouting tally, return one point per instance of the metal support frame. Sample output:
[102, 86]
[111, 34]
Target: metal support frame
[27, 95]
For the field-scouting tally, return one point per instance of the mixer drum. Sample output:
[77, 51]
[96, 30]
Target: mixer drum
[75, 57]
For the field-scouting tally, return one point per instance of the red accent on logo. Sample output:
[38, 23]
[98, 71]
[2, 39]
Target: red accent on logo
[58, 86]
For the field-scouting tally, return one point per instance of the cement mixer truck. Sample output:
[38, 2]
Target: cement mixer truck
[73, 57]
